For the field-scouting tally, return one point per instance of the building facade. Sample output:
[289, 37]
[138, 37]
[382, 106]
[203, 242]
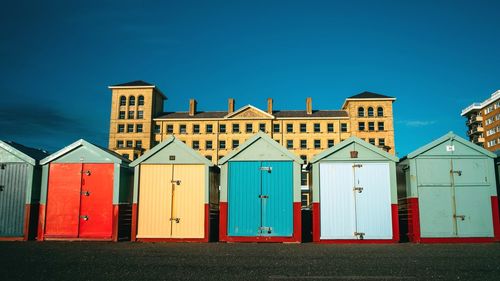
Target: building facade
[483, 122]
[138, 123]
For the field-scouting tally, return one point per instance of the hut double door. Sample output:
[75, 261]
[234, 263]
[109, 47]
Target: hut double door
[454, 198]
[13, 184]
[171, 201]
[260, 198]
[80, 201]
[355, 201]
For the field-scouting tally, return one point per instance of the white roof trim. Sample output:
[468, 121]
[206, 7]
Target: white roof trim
[479, 105]
[18, 153]
[247, 107]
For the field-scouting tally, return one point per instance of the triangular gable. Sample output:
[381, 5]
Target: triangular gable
[264, 137]
[249, 112]
[19, 154]
[348, 142]
[445, 138]
[82, 144]
[177, 147]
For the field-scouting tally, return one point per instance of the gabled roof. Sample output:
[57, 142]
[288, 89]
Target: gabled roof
[136, 83]
[166, 142]
[447, 137]
[369, 95]
[249, 106]
[197, 115]
[349, 141]
[114, 157]
[256, 137]
[27, 154]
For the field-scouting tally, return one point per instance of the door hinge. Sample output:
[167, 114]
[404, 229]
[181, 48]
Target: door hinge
[177, 220]
[263, 196]
[462, 217]
[85, 218]
[269, 169]
[2, 187]
[177, 182]
[459, 173]
[265, 229]
[85, 193]
[359, 189]
[87, 173]
[357, 166]
[361, 235]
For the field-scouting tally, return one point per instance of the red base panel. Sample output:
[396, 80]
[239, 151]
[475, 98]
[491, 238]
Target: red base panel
[297, 228]
[12, 239]
[458, 240]
[41, 223]
[133, 229]
[317, 230]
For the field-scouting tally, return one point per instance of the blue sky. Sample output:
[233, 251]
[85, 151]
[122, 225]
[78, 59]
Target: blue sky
[57, 59]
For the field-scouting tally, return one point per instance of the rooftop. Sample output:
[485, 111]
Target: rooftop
[277, 113]
[369, 95]
[137, 83]
[480, 105]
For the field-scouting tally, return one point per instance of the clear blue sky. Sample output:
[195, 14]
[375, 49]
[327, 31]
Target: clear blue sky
[57, 59]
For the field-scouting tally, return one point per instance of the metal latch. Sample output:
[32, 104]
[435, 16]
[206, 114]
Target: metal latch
[459, 217]
[269, 169]
[359, 189]
[459, 173]
[177, 220]
[357, 166]
[85, 218]
[85, 193]
[177, 182]
[263, 196]
[2, 166]
[87, 173]
[2, 187]
[361, 235]
[264, 229]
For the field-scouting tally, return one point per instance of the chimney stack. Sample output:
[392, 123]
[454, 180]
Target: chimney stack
[309, 106]
[192, 107]
[270, 106]
[230, 105]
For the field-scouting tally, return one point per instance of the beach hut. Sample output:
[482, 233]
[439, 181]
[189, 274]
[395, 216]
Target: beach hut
[175, 193]
[354, 194]
[86, 194]
[20, 175]
[450, 192]
[260, 193]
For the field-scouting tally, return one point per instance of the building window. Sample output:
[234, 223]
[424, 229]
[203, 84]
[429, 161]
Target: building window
[317, 127]
[303, 178]
[123, 101]
[221, 156]
[343, 127]
[222, 128]
[196, 129]
[289, 128]
[303, 157]
[138, 144]
[122, 115]
[140, 100]
[222, 144]
[208, 144]
[157, 129]
[380, 111]
[330, 127]
[380, 126]
[138, 128]
[140, 114]
[262, 127]
[370, 111]
[209, 128]
[371, 141]
[209, 157]
[125, 155]
[361, 112]
[289, 144]
[317, 144]
[276, 128]
[303, 144]
[249, 128]
[361, 126]
[371, 126]
[303, 128]
[130, 115]
[119, 144]
[129, 143]
[136, 156]
[131, 100]
[196, 145]
[170, 129]
[182, 129]
[236, 143]
[381, 142]
[236, 128]
[130, 128]
[330, 143]
[121, 128]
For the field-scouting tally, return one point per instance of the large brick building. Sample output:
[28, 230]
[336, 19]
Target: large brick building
[138, 122]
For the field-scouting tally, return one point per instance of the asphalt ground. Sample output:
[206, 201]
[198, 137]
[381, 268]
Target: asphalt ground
[246, 261]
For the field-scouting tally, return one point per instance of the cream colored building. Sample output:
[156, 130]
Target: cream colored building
[138, 123]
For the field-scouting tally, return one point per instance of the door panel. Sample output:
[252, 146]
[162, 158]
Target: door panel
[436, 211]
[474, 203]
[96, 205]
[277, 209]
[472, 172]
[13, 183]
[337, 201]
[63, 200]
[433, 172]
[373, 204]
[155, 191]
[188, 203]
[244, 206]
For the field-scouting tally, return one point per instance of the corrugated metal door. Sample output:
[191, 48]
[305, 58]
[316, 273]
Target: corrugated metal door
[244, 203]
[472, 195]
[277, 198]
[96, 205]
[188, 201]
[155, 193]
[13, 183]
[337, 212]
[63, 200]
[373, 200]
